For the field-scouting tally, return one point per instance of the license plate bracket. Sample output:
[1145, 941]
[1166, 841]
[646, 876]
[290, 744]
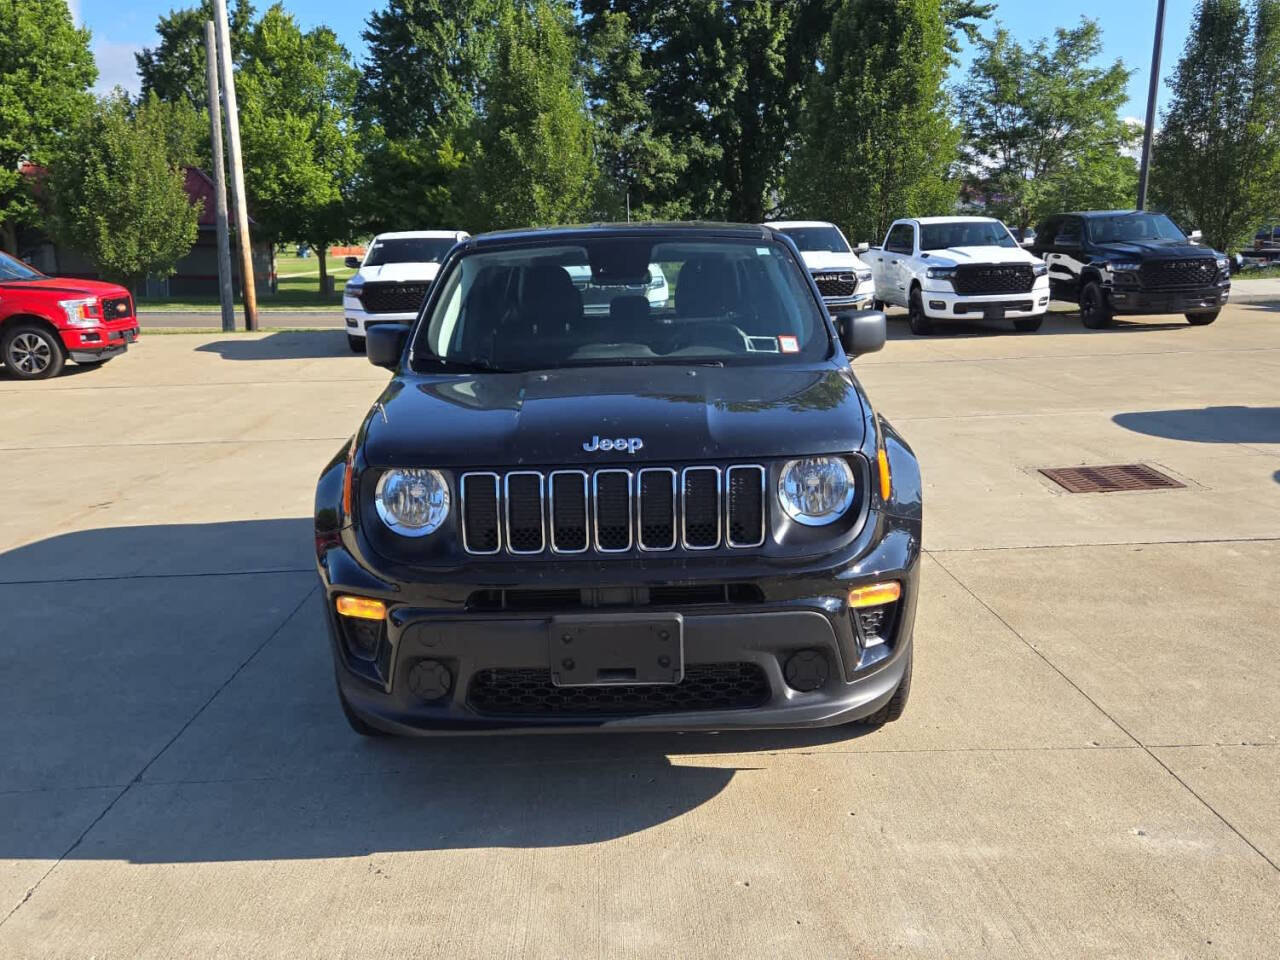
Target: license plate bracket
[591, 651]
[993, 313]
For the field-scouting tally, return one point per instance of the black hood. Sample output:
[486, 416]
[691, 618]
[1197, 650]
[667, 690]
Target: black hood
[1154, 250]
[544, 418]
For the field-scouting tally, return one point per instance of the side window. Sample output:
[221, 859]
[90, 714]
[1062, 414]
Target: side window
[1046, 232]
[901, 238]
[1068, 233]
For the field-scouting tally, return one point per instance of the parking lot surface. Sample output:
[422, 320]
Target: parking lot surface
[1089, 765]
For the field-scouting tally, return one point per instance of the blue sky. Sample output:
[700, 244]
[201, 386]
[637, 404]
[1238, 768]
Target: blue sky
[1127, 26]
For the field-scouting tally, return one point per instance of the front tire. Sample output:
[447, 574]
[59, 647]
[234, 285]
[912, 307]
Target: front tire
[1095, 313]
[892, 710]
[32, 352]
[1202, 319]
[916, 317]
[355, 343]
[1029, 324]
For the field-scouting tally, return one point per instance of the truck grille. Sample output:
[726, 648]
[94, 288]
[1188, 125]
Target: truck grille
[706, 686]
[1198, 272]
[613, 510]
[393, 297]
[993, 278]
[116, 308]
[836, 284]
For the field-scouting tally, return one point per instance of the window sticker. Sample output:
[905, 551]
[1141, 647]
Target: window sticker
[762, 344]
[763, 251]
[788, 344]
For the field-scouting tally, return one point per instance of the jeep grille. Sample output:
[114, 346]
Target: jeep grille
[613, 510]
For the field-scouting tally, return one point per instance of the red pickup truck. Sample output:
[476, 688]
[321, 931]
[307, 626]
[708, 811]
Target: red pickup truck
[46, 321]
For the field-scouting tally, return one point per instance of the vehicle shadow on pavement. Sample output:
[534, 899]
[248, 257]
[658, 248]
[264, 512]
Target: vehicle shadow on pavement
[1055, 324]
[1207, 424]
[191, 707]
[284, 345]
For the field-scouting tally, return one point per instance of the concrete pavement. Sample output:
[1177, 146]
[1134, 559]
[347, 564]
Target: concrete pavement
[1088, 766]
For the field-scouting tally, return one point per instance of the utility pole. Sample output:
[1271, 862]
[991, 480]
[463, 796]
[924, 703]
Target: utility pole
[1147, 133]
[237, 167]
[219, 183]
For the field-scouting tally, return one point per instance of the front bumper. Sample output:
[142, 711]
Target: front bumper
[949, 305]
[101, 342]
[805, 610]
[359, 319]
[1199, 300]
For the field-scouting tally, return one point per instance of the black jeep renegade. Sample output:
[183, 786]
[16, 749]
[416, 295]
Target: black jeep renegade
[679, 515]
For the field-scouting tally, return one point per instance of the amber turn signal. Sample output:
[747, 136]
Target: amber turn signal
[886, 485]
[875, 595]
[362, 608]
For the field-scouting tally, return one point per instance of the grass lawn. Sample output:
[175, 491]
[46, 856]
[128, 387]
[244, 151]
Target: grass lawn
[297, 288]
[1266, 273]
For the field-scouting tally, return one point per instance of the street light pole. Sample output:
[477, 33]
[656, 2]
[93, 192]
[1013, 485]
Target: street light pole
[237, 167]
[1145, 172]
[219, 184]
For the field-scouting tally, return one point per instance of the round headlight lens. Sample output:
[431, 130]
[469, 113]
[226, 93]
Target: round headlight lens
[816, 490]
[413, 503]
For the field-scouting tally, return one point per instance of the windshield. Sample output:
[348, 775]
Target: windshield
[408, 250]
[11, 269]
[1133, 226]
[598, 303]
[818, 239]
[965, 233]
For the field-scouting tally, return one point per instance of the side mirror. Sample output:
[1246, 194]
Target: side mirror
[863, 247]
[384, 343]
[1196, 236]
[861, 331]
[352, 263]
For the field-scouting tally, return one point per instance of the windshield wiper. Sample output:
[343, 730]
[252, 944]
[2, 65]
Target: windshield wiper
[466, 366]
[642, 362]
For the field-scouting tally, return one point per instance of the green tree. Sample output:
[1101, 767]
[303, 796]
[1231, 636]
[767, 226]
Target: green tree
[1216, 164]
[297, 98]
[46, 71]
[416, 102]
[174, 69]
[1042, 129]
[535, 159]
[119, 196]
[876, 141]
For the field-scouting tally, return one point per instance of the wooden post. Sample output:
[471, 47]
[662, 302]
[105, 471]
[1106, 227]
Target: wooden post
[226, 294]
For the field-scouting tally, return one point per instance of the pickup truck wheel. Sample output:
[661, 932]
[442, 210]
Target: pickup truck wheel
[1094, 312]
[355, 343]
[31, 352]
[877, 304]
[1202, 319]
[897, 703]
[920, 324]
[1029, 325]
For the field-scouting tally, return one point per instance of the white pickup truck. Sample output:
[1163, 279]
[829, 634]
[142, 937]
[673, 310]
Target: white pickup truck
[958, 268]
[843, 280]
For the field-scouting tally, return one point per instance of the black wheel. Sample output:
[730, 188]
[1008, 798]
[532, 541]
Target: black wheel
[1202, 319]
[877, 304]
[1094, 311]
[920, 324]
[892, 710]
[357, 722]
[1028, 325]
[355, 343]
[31, 352]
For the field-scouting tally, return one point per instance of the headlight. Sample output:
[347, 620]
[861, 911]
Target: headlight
[940, 273]
[1124, 266]
[863, 276]
[353, 289]
[1224, 263]
[1040, 269]
[82, 313]
[816, 490]
[413, 503]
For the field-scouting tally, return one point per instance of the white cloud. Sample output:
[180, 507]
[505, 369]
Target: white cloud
[116, 66]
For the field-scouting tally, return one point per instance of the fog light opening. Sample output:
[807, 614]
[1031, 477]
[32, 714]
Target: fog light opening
[430, 680]
[806, 670]
[938, 305]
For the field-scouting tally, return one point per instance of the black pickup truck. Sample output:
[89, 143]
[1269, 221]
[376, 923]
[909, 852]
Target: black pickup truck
[676, 515]
[1131, 262]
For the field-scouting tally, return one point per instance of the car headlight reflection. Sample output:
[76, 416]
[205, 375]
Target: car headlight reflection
[815, 491]
[412, 502]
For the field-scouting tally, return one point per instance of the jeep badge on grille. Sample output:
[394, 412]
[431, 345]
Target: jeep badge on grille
[629, 444]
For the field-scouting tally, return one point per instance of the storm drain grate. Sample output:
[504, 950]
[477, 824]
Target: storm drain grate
[1125, 476]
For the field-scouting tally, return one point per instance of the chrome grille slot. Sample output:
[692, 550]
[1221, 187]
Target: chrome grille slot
[700, 508]
[523, 495]
[611, 491]
[481, 530]
[656, 508]
[613, 510]
[569, 533]
[745, 494]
